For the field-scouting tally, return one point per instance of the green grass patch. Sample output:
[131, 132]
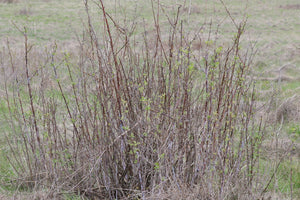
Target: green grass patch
[291, 86]
[293, 130]
[287, 174]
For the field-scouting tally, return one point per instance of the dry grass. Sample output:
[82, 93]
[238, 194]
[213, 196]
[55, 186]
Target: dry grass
[289, 110]
[23, 196]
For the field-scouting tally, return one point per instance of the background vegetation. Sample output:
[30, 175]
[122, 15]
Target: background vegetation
[149, 100]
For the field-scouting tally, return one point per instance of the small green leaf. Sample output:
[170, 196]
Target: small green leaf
[156, 166]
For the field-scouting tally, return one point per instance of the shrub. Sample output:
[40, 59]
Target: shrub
[132, 120]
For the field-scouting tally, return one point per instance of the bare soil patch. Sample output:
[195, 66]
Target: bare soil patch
[8, 1]
[193, 10]
[291, 7]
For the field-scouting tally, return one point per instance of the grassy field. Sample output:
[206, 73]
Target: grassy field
[273, 24]
[272, 30]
